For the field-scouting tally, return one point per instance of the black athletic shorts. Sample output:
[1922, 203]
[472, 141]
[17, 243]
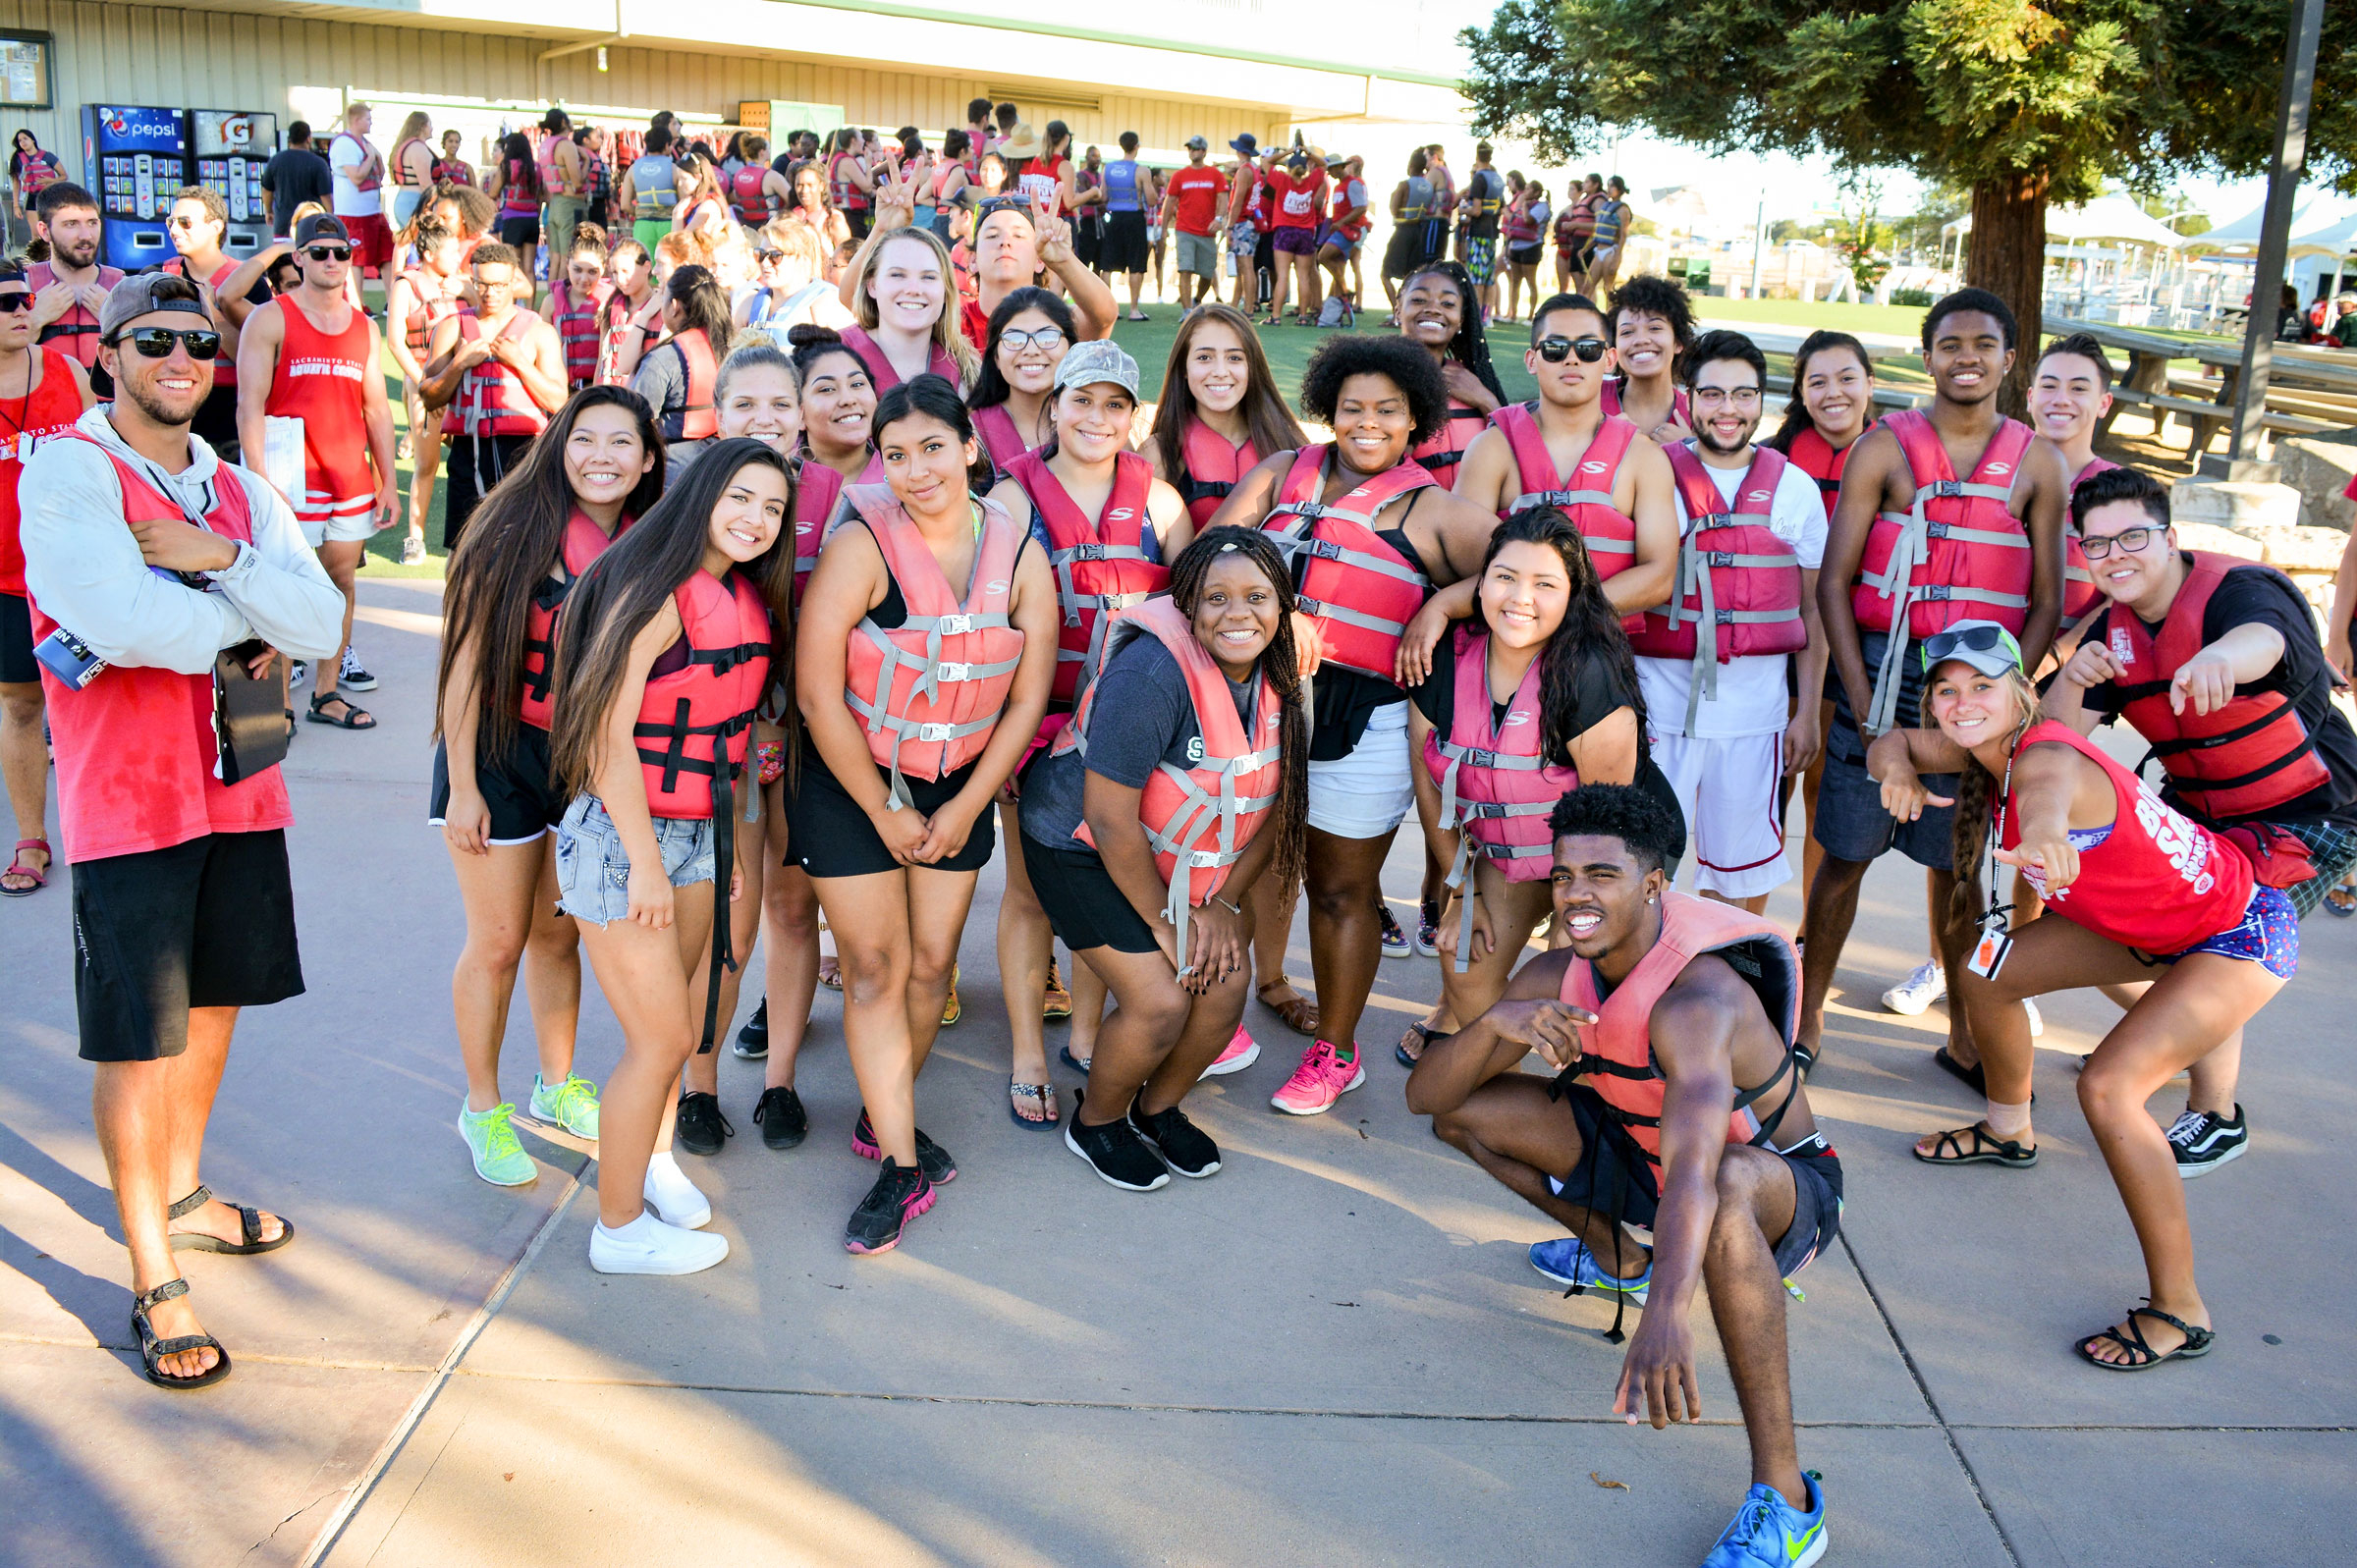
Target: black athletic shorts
[1083, 903]
[471, 469]
[209, 923]
[828, 835]
[1124, 247]
[521, 234]
[17, 665]
[524, 801]
[1613, 1176]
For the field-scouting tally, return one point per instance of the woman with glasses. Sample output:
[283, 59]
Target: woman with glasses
[2138, 894]
[1030, 332]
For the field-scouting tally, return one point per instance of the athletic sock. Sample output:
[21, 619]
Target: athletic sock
[2008, 1121]
[1349, 1053]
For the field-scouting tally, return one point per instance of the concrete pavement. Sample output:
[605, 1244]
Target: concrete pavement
[1333, 1352]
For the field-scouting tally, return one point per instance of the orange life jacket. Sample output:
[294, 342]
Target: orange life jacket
[584, 542]
[492, 399]
[1213, 469]
[696, 420]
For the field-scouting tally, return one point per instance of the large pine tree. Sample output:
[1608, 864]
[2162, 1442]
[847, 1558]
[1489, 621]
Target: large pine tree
[2022, 103]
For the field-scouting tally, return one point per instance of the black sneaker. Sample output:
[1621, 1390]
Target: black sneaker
[2204, 1140]
[702, 1130]
[899, 1196]
[752, 1040]
[932, 1158]
[781, 1117]
[1116, 1153]
[1185, 1147]
[1395, 941]
[355, 674]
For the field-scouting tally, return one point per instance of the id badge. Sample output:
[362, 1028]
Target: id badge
[65, 657]
[1990, 953]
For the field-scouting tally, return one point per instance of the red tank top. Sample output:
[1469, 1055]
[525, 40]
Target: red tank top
[321, 379]
[43, 414]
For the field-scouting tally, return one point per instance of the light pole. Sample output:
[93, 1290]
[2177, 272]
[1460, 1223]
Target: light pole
[2275, 233]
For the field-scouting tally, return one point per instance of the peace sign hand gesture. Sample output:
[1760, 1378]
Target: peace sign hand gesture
[1054, 235]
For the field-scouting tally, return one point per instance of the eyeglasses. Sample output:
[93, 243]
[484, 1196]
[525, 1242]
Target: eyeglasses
[1713, 397]
[20, 299]
[1980, 637]
[1555, 351]
[1044, 339]
[328, 252]
[155, 343]
[2097, 546]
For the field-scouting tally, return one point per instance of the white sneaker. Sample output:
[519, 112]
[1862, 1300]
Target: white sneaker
[1913, 997]
[2037, 1021]
[648, 1246]
[678, 1200]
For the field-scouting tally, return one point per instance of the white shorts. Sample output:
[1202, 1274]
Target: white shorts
[1731, 790]
[1369, 793]
[344, 526]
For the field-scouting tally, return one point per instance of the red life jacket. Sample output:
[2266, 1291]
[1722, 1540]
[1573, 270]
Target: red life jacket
[136, 747]
[1609, 533]
[2081, 595]
[1212, 468]
[754, 206]
[2158, 882]
[694, 723]
[491, 400]
[1495, 785]
[880, 373]
[1733, 574]
[696, 419]
[1000, 441]
[46, 413]
[584, 542]
[1681, 409]
[2241, 760]
[849, 198]
[816, 490]
[611, 318]
[1815, 457]
[1616, 1050]
[576, 329]
[1956, 553]
[432, 305]
[962, 655]
[1201, 817]
[1360, 590]
[75, 331]
[1101, 564]
[1445, 448]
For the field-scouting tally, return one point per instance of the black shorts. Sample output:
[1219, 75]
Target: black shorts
[1523, 256]
[1124, 247]
[1083, 904]
[1406, 247]
[17, 665]
[471, 469]
[216, 423]
[830, 835]
[1264, 250]
[524, 801]
[209, 923]
[1613, 1176]
[1088, 241]
[521, 235]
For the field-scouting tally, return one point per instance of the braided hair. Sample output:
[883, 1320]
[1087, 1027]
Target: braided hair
[1976, 793]
[1470, 347]
[1279, 662]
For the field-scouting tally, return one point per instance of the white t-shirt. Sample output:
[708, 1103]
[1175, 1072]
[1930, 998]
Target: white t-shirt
[1752, 699]
[349, 200]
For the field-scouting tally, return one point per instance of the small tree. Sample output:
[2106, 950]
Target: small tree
[2018, 102]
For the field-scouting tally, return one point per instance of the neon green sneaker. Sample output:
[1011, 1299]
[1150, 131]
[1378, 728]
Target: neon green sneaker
[497, 1157]
[571, 1104]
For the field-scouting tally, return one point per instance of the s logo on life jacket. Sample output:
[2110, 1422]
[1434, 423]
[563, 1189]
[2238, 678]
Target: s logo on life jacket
[2124, 652]
[1592, 467]
[997, 586]
[1194, 749]
[1997, 469]
[1516, 716]
[1757, 494]
[1120, 514]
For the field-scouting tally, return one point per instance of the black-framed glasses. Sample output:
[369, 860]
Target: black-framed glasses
[1555, 351]
[1044, 339]
[16, 301]
[328, 252]
[155, 343]
[2096, 546]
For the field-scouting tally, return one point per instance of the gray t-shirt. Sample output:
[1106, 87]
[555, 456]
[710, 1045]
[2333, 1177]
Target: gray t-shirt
[1142, 716]
[662, 380]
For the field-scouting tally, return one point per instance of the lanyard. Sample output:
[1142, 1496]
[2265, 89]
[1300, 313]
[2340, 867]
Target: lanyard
[1997, 839]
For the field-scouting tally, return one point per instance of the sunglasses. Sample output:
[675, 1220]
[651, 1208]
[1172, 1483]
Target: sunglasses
[155, 343]
[20, 299]
[2098, 546]
[1555, 351]
[1009, 203]
[178, 222]
[1942, 646]
[328, 252]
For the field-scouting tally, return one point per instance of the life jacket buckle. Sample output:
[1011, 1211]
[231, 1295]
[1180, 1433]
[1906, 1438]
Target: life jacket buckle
[1934, 530]
[952, 672]
[1931, 590]
[936, 734]
[1945, 489]
[954, 626]
[1481, 759]
[1719, 558]
[1085, 551]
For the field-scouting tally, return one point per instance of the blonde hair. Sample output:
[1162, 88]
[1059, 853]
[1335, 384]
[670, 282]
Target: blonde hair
[947, 334]
[685, 247]
[352, 111]
[416, 125]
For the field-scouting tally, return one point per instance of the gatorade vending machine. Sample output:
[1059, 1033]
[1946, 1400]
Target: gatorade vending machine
[135, 159]
[231, 148]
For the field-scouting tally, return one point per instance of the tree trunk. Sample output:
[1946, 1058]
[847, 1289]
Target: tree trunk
[2007, 257]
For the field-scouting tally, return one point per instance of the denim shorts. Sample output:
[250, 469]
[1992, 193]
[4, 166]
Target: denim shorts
[593, 870]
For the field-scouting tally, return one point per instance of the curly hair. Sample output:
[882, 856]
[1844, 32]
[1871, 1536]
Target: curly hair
[1976, 299]
[1395, 360]
[1634, 815]
[1591, 630]
[1649, 294]
[1279, 662]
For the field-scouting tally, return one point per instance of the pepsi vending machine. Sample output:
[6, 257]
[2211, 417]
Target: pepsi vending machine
[135, 159]
[231, 147]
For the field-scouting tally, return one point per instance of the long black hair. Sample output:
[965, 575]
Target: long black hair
[933, 397]
[1470, 347]
[1590, 633]
[513, 544]
[1796, 412]
[635, 576]
[990, 386]
[704, 306]
[1279, 662]
[519, 174]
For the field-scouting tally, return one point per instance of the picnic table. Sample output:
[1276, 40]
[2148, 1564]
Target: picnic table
[2329, 371]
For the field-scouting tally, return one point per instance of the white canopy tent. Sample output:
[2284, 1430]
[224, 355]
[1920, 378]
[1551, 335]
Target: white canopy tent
[2321, 225]
[2115, 220]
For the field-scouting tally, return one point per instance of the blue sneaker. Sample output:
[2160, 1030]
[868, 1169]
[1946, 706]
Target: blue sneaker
[1769, 1531]
[1567, 1261]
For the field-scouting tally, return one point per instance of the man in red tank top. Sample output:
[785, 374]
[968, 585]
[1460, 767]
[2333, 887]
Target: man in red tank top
[41, 393]
[1969, 339]
[1740, 1188]
[309, 355]
[72, 284]
[183, 908]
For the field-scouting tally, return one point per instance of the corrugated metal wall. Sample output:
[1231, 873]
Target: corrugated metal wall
[222, 60]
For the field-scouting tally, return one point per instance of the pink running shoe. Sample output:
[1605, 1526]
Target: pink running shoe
[1319, 1081]
[1241, 1053]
